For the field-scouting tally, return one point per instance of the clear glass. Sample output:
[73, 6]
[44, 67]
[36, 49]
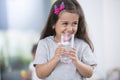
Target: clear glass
[68, 42]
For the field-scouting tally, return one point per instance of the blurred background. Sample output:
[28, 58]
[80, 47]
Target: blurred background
[21, 22]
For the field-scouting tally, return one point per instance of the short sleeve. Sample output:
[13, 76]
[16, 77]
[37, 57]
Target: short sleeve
[31, 66]
[87, 56]
[41, 53]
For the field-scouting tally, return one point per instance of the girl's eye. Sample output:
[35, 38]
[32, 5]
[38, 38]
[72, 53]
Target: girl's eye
[75, 24]
[65, 24]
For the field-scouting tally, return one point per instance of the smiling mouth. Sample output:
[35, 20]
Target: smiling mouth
[66, 36]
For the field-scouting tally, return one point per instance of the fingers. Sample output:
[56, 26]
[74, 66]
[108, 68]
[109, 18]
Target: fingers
[73, 55]
[73, 50]
[59, 51]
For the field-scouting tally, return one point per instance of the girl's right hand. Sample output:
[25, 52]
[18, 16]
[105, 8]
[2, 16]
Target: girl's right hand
[59, 51]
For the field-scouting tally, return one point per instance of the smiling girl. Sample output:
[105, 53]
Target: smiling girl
[66, 17]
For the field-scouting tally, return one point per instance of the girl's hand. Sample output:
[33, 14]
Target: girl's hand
[73, 55]
[59, 52]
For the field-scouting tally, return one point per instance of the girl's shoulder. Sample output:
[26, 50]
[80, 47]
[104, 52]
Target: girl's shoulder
[81, 42]
[49, 38]
[46, 40]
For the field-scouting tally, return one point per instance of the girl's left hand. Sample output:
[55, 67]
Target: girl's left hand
[73, 55]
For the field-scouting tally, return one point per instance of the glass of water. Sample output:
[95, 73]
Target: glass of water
[67, 43]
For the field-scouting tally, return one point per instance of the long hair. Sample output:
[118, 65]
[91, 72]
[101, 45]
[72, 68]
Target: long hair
[71, 6]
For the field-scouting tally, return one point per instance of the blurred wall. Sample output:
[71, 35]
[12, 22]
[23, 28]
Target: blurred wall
[111, 33]
[27, 14]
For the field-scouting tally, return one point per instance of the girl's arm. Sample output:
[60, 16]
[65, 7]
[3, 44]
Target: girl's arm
[84, 69]
[43, 70]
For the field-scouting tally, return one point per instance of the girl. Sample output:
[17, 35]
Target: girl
[66, 17]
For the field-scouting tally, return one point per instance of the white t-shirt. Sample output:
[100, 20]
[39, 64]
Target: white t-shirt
[46, 50]
[32, 68]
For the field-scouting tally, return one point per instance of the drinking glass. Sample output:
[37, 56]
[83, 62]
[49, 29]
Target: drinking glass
[67, 42]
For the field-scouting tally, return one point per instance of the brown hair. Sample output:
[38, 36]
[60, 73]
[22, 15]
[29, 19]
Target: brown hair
[71, 6]
[34, 49]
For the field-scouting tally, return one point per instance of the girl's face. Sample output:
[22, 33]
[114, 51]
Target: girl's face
[66, 24]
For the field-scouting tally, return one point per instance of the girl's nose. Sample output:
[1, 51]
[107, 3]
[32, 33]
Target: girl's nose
[69, 28]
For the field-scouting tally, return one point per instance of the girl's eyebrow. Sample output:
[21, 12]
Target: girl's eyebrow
[63, 21]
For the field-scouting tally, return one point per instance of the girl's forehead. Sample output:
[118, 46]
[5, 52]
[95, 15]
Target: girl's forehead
[63, 16]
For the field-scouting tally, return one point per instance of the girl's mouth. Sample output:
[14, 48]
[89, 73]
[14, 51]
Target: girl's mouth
[66, 36]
